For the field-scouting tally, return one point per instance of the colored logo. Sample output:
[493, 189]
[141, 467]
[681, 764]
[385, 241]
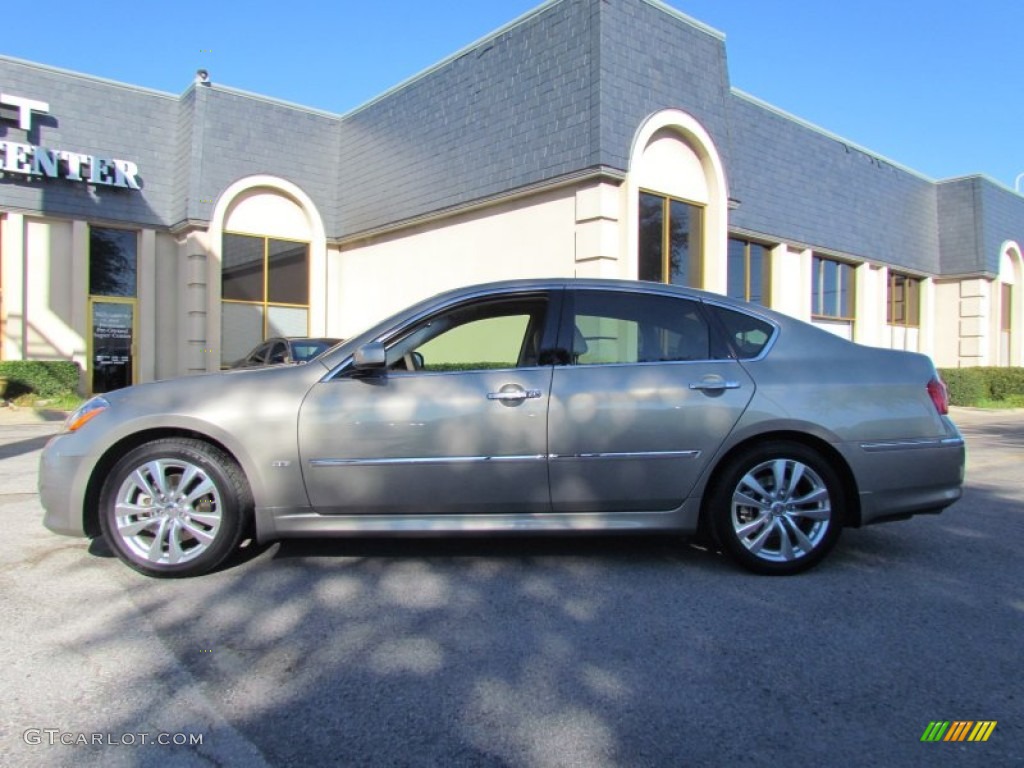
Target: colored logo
[959, 730]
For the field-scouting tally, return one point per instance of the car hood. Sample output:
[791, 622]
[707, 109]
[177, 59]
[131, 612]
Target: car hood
[226, 399]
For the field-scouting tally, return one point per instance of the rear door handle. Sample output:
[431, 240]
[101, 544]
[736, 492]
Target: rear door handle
[513, 393]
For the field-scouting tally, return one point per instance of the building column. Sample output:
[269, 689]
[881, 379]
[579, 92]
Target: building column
[333, 283]
[146, 342]
[598, 236]
[975, 304]
[80, 297]
[15, 327]
[194, 350]
[926, 330]
[869, 325]
[790, 281]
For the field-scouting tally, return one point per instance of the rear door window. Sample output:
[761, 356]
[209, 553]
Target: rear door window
[620, 328]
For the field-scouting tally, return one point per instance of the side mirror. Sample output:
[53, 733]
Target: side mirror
[370, 357]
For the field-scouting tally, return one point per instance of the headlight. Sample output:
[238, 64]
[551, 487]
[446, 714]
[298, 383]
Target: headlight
[85, 413]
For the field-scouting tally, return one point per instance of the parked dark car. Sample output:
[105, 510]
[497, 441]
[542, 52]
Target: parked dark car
[543, 406]
[278, 349]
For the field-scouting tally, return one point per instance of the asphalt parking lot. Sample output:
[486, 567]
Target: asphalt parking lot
[533, 653]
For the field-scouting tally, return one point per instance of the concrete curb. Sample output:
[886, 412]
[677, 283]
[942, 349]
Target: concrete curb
[14, 416]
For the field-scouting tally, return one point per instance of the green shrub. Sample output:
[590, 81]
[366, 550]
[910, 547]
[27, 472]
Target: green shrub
[967, 386]
[1004, 382]
[972, 386]
[46, 378]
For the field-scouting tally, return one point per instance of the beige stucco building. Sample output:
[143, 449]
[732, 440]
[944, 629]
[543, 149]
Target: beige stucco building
[147, 235]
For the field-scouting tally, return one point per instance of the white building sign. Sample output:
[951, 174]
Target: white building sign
[32, 160]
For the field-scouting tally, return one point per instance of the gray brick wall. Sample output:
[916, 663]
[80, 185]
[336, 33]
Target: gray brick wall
[1002, 214]
[243, 135]
[959, 226]
[976, 218]
[99, 118]
[563, 90]
[800, 184]
[513, 111]
[650, 61]
[186, 159]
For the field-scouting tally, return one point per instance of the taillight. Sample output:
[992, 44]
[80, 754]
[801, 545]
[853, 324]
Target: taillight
[939, 394]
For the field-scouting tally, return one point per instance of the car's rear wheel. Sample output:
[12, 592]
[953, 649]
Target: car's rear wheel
[777, 508]
[174, 507]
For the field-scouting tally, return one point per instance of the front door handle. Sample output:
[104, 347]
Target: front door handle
[714, 385]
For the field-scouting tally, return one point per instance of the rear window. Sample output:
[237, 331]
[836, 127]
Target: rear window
[746, 334]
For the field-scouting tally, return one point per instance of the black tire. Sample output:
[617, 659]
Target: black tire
[175, 507]
[776, 508]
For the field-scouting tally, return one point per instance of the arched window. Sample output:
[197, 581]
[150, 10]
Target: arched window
[271, 246]
[679, 202]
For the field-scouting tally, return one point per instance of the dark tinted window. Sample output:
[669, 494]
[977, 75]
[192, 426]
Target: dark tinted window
[651, 236]
[242, 271]
[258, 355]
[748, 271]
[307, 350]
[287, 272]
[265, 291]
[113, 262]
[670, 240]
[614, 328]
[747, 335]
[278, 353]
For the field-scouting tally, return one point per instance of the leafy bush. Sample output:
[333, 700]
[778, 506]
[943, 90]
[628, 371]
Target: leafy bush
[972, 386]
[967, 386]
[46, 378]
[1005, 382]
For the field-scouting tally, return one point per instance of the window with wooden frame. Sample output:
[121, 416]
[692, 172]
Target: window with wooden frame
[832, 289]
[671, 240]
[903, 307]
[264, 291]
[748, 277]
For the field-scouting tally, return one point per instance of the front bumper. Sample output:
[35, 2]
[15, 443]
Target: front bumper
[62, 480]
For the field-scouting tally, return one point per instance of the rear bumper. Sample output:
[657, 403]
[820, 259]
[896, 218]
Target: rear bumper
[899, 479]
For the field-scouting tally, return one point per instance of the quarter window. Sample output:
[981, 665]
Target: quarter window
[264, 291]
[614, 328]
[671, 240]
[747, 335]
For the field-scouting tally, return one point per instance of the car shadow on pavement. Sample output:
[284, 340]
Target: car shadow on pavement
[611, 548]
[21, 447]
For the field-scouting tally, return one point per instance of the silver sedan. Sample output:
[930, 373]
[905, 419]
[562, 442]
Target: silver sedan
[543, 407]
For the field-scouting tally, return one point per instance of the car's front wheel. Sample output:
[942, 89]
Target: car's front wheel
[777, 508]
[174, 507]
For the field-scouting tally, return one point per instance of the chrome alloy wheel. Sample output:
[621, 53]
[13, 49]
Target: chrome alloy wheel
[168, 511]
[781, 510]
